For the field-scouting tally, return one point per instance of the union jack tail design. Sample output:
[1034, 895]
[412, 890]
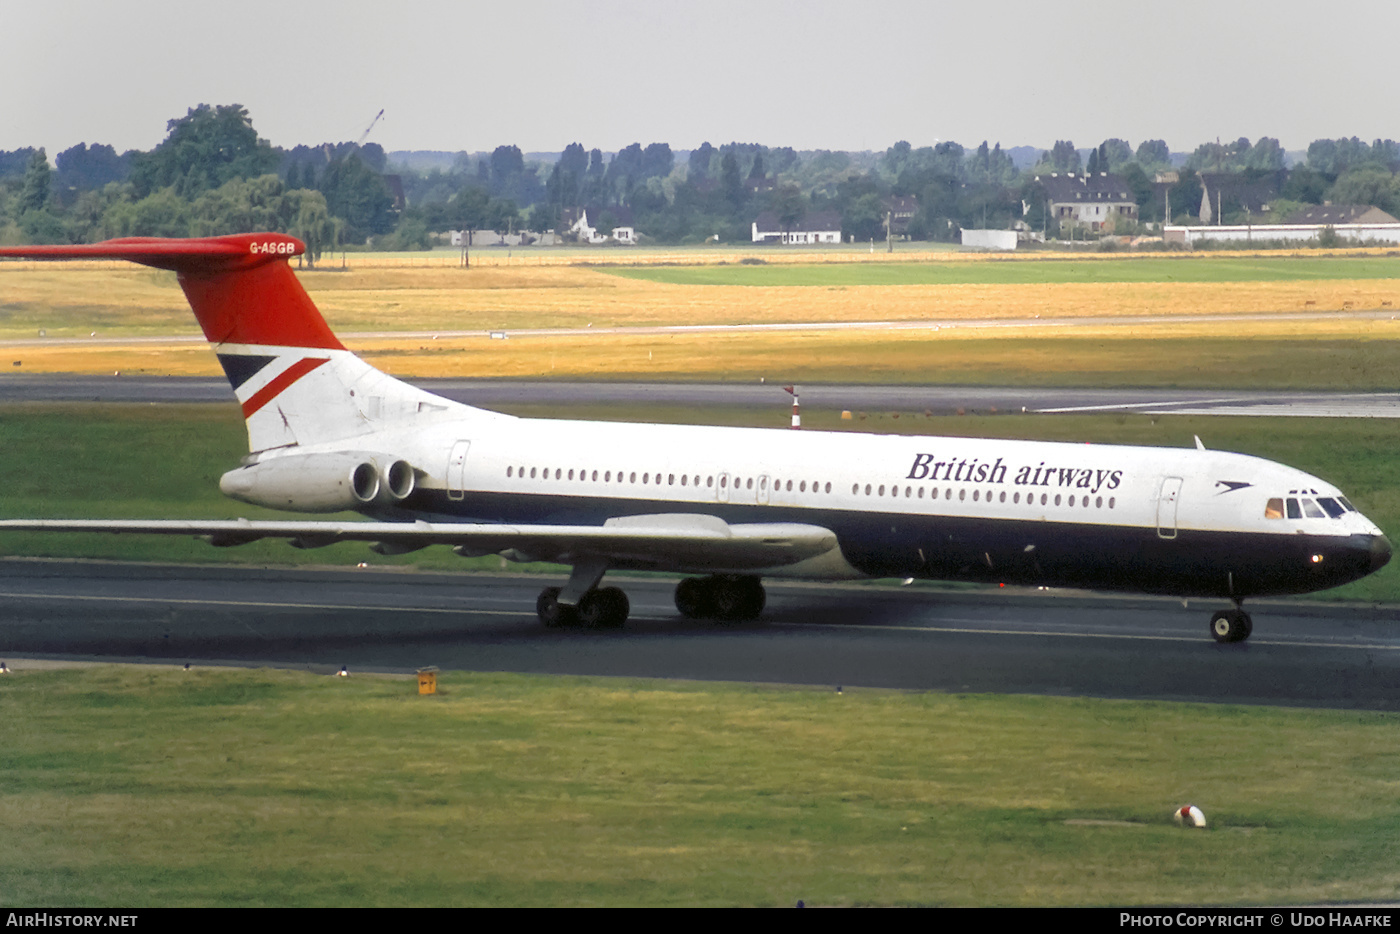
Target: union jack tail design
[296, 383]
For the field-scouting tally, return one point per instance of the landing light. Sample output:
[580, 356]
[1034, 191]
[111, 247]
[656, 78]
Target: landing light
[1317, 559]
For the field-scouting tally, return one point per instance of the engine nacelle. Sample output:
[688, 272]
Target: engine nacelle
[328, 482]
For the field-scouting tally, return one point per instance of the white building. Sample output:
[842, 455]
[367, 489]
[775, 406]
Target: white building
[1245, 233]
[1355, 223]
[1091, 201]
[989, 239]
[585, 226]
[813, 227]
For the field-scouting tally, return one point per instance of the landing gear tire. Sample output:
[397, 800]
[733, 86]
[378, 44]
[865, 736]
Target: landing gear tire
[738, 598]
[552, 613]
[693, 598]
[605, 608]
[724, 597]
[1231, 626]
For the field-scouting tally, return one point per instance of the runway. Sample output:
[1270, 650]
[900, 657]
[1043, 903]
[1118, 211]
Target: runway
[916, 638]
[940, 400]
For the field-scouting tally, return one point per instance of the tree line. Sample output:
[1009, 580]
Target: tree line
[212, 174]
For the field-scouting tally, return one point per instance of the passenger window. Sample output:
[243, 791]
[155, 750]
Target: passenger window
[1273, 509]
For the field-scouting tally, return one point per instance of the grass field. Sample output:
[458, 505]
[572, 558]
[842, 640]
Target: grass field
[1357, 355]
[1022, 271]
[141, 786]
[118, 301]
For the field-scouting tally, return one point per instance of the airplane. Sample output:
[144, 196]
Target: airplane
[726, 507]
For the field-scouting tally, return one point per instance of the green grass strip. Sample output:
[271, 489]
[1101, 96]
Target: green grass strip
[1012, 271]
[156, 787]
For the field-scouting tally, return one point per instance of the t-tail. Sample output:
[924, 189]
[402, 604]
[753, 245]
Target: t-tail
[297, 384]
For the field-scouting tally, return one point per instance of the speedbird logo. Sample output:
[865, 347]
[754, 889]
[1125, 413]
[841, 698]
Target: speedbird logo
[925, 467]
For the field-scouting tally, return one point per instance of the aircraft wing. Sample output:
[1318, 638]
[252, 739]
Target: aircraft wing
[666, 542]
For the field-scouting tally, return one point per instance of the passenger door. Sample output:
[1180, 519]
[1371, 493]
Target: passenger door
[1166, 507]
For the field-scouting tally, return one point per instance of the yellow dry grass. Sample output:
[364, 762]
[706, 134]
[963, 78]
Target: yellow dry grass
[75, 301]
[866, 354]
[122, 300]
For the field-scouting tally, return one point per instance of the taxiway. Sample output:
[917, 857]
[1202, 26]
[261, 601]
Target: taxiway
[916, 638]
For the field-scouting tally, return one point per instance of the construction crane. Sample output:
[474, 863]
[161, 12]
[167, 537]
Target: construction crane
[365, 134]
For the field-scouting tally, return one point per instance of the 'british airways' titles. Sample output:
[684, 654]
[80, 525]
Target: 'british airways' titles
[925, 467]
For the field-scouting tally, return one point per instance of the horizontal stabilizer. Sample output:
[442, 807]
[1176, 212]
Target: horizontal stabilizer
[196, 254]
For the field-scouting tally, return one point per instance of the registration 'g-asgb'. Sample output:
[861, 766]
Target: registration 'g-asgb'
[327, 432]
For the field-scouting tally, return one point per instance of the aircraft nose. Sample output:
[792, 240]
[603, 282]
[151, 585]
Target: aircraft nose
[1380, 552]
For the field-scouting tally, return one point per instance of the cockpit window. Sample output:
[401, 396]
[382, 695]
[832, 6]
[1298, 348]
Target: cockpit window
[1334, 508]
[1347, 503]
[1311, 510]
[1273, 509]
[1294, 510]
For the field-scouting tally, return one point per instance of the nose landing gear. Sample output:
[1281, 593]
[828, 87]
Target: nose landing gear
[1231, 626]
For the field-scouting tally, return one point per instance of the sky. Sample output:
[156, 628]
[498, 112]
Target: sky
[821, 74]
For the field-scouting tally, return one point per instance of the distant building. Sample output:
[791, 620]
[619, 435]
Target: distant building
[901, 210]
[459, 238]
[1088, 200]
[1253, 194]
[1356, 223]
[989, 239]
[813, 227]
[585, 224]
[1333, 215]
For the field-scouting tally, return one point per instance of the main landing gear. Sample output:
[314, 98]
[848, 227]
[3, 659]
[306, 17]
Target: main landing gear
[581, 602]
[600, 608]
[720, 596]
[1231, 625]
[728, 597]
